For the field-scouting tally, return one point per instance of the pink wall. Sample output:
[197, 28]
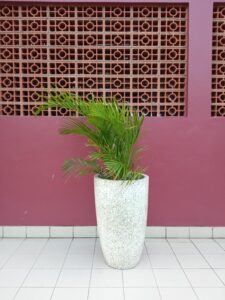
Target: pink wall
[185, 156]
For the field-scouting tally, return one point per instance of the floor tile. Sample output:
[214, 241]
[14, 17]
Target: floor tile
[42, 278]
[155, 240]
[159, 262]
[192, 261]
[164, 261]
[177, 294]
[21, 261]
[178, 240]
[221, 243]
[139, 278]
[210, 247]
[70, 294]
[78, 261]
[144, 251]
[216, 261]
[98, 248]
[9, 246]
[106, 278]
[31, 246]
[34, 294]
[99, 262]
[184, 248]
[54, 261]
[106, 294]
[141, 293]
[203, 278]
[82, 246]
[7, 293]
[210, 293]
[4, 257]
[159, 248]
[171, 278]
[12, 277]
[74, 278]
[57, 246]
[202, 240]
[144, 263]
[221, 274]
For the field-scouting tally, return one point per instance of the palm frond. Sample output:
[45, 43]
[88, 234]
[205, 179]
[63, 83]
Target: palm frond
[111, 130]
[80, 166]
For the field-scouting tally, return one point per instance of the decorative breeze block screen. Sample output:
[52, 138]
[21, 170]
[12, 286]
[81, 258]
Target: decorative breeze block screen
[218, 66]
[134, 53]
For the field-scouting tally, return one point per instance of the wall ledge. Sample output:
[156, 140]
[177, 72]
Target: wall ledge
[181, 232]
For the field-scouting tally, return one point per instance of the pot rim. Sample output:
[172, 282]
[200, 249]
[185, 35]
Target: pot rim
[145, 176]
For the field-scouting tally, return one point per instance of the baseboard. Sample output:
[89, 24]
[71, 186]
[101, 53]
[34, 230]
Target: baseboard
[185, 232]
[48, 231]
[91, 231]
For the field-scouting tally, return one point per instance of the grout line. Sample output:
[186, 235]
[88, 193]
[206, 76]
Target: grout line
[183, 271]
[93, 255]
[31, 268]
[210, 266]
[153, 272]
[66, 255]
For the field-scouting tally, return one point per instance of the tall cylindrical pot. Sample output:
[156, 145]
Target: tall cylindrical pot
[121, 209]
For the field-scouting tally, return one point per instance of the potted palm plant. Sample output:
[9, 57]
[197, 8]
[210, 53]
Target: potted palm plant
[121, 188]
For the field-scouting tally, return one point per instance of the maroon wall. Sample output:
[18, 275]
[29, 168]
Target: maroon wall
[184, 155]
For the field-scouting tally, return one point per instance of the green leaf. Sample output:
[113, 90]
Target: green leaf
[111, 131]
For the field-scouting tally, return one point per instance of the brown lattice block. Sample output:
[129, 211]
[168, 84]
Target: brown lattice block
[218, 65]
[133, 53]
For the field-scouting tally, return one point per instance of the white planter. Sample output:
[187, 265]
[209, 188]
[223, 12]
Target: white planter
[121, 210]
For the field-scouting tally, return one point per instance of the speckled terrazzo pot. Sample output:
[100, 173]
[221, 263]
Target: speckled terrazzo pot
[121, 217]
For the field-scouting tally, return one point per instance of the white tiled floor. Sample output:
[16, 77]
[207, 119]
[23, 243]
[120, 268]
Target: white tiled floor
[74, 269]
